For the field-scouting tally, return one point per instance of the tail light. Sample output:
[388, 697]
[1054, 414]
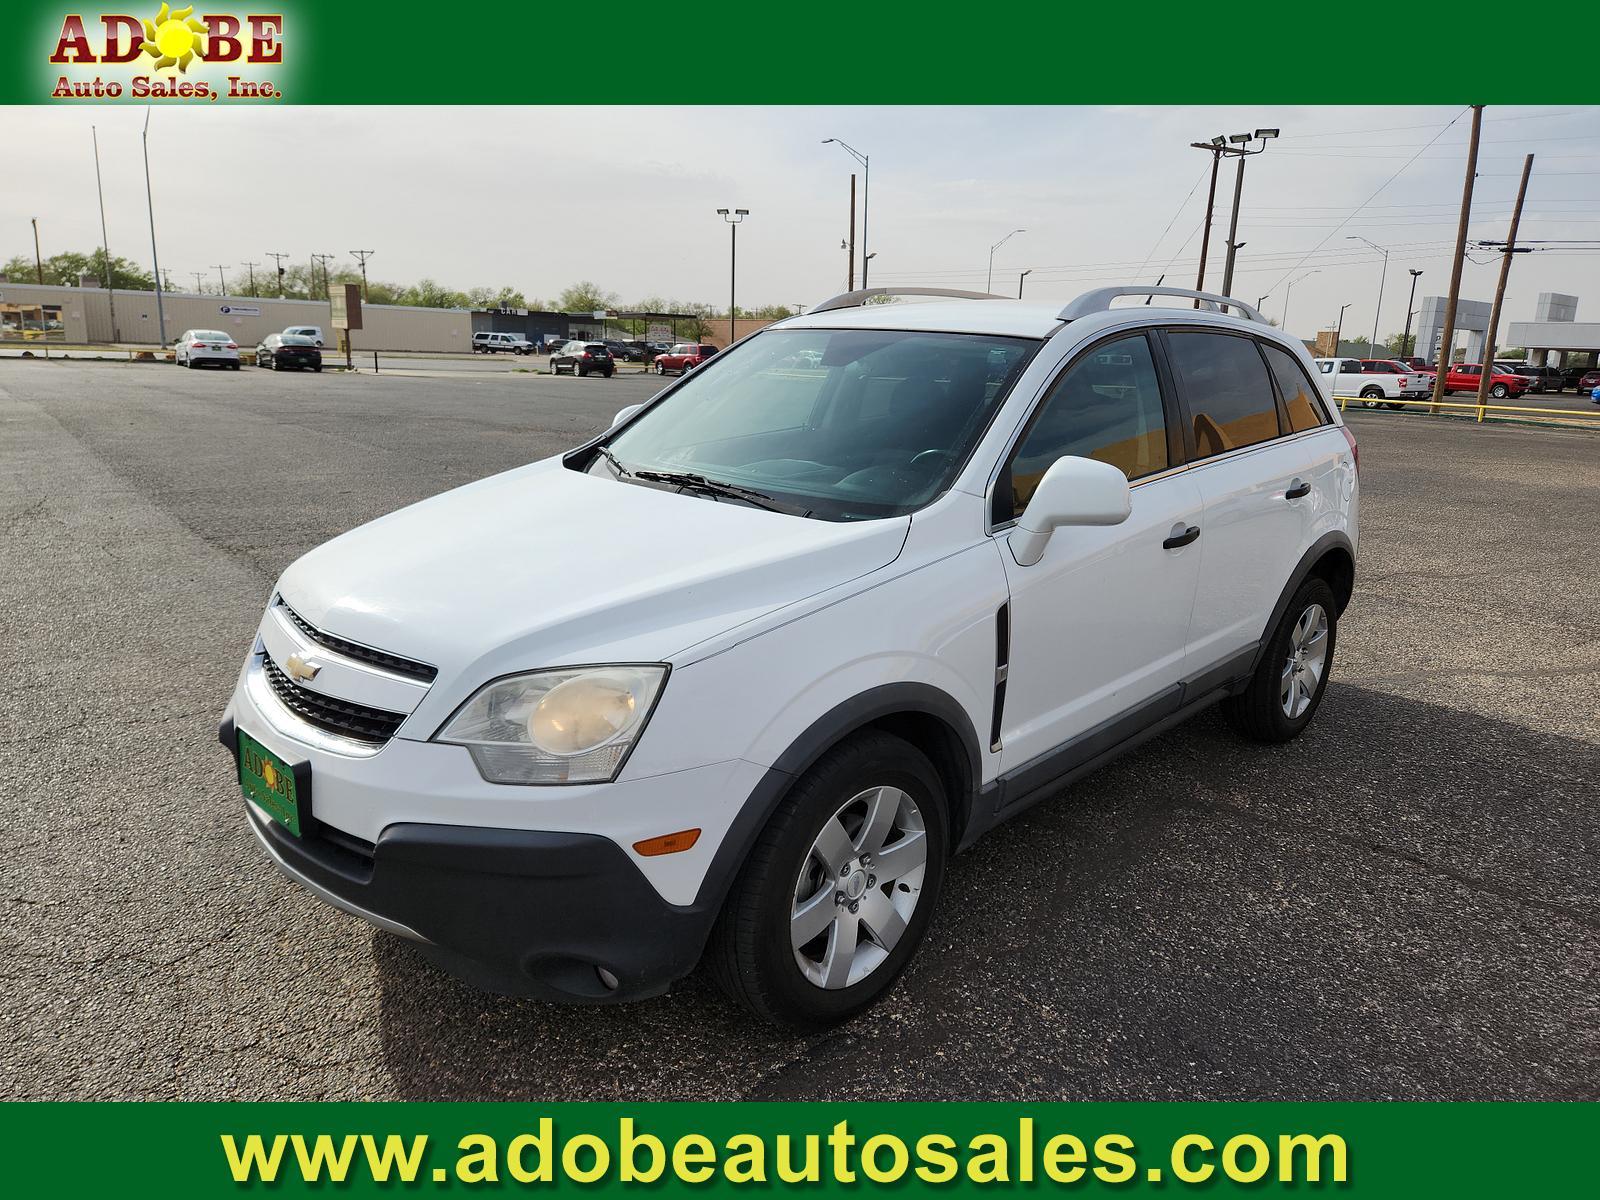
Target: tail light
[197, 345]
[1355, 450]
[232, 346]
[586, 354]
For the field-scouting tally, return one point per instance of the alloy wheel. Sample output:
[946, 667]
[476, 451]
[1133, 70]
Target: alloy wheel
[1308, 659]
[858, 887]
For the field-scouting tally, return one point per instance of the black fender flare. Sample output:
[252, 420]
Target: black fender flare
[819, 737]
[1334, 540]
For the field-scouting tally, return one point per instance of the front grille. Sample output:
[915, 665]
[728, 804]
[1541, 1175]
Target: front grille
[392, 663]
[375, 726]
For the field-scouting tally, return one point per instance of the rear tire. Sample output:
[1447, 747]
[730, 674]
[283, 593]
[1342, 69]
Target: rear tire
[790, 886]
[1498, 391]
[1370, 397]
[1292, 676]
[1395, 407]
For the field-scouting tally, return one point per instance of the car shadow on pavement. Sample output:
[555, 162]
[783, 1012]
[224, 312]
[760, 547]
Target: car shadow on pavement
[1403, 903]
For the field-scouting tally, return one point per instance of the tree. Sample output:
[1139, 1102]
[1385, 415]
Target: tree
[428, 293]
[503, 297]
[586, 297]
[63, 270]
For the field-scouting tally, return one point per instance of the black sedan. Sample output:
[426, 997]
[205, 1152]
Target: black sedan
[280, 350]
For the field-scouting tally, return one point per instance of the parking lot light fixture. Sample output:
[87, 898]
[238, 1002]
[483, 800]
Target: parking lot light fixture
[1021, 279]
[1240, 149]
[866, 195]
[1405, 338]
[1338, 332]
[989, 286]
[733, 219]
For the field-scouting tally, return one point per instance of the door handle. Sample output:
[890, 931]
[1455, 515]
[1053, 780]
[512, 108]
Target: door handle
[1297, 489]
[1181, 539]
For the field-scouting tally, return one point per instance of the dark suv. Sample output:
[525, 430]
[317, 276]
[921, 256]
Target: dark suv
[583, 358]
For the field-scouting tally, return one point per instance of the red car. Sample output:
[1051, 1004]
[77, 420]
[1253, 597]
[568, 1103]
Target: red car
[1464, 377]
[683, 358]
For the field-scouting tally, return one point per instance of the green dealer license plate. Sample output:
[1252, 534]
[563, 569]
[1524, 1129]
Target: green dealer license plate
[270, 782]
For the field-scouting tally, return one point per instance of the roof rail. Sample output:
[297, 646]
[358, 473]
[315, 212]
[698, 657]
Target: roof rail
[860, 296]
[1100, 300]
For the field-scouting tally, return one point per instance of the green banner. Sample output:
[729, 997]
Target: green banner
[1367, 1150]
[821, 52]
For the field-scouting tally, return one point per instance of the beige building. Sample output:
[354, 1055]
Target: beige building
[83, 316]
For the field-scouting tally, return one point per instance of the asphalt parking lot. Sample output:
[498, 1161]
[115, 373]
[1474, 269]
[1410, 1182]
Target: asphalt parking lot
[1404, 903]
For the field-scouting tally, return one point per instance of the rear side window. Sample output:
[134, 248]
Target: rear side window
[1225, 383]
[1299, 397]
[1107, 407]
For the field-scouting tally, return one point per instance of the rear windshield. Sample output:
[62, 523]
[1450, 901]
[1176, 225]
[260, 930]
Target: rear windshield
[295, 339]
[210, 335]
[597, 348]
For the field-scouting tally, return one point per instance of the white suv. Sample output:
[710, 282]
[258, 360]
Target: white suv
[492, 343]
[735, 678]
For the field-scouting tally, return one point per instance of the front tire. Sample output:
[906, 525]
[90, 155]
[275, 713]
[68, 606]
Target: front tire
[1289, 682]
[839, 889]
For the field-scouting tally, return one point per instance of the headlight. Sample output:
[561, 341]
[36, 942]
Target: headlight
[573, 725]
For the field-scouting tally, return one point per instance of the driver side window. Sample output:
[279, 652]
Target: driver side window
[1107, 406]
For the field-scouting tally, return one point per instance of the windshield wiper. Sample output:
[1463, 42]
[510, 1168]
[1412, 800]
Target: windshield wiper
[713, 487]
[616, 463]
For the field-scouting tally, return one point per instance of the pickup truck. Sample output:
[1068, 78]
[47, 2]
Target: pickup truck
[1385, 384]
[1464, 377]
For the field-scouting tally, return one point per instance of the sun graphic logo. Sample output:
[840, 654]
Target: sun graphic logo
[174, 39]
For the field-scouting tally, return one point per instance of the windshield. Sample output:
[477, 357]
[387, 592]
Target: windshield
[837, 424]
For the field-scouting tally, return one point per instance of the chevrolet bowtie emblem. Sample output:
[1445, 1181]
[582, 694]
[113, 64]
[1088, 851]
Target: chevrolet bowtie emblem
[299, 668]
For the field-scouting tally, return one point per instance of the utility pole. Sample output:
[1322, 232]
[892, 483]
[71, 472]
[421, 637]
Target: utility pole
[278, 259]
[363, 255]
[198, 276]
[105, 240]
[733, 219]
[252, 268]
[155, 262]
[1411, 304]
[1215, 146]
[1447, 335]
[1500, 288]
[38, 261]
[327, 287]
[1021, 279]
[222, 283]
[850, 271]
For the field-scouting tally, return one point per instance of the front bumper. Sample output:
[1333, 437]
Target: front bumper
[556, 916]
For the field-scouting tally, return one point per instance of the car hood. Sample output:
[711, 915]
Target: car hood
[545, 566]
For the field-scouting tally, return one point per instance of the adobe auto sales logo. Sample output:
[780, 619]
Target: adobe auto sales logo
[166, 56]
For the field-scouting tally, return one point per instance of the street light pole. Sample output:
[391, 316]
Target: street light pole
[1240, 150]
[161, 312]
[1338, 336]
[1383, 276]
[989, 286]
[733, 219]
[105, 240]
[866, 195]
[1288, 295]
[1021, 279]
[1405, 338]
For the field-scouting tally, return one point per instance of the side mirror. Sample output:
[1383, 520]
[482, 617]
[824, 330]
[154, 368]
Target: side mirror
[624, 413]
[1074, 491]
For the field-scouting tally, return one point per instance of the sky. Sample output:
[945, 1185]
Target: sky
[537, 198]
